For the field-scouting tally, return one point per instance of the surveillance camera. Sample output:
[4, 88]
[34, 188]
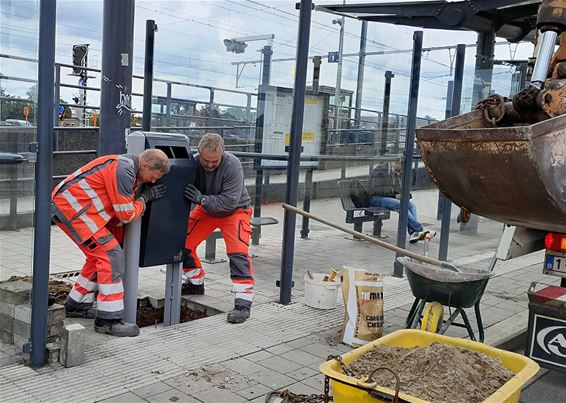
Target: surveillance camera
[334, 21]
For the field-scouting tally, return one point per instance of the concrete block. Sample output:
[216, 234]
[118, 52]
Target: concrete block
[6, 337]
[72, 345]
[7, 309]
[23, 329]
[53, 350]
[6, 322]
[156, 302]
[55, 313]
[15, 292]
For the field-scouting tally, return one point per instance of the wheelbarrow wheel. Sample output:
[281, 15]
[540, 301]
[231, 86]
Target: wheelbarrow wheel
[433, 316]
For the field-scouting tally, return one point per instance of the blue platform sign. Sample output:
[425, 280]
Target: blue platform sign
[61, 109]
[333, 57]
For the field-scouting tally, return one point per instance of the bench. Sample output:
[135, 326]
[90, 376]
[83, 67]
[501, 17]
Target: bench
[210, 246]
[359, 215]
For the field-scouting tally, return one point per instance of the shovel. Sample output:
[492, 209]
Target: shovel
[385, 245]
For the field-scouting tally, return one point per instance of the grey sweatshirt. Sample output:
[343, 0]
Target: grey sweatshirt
[223, 188]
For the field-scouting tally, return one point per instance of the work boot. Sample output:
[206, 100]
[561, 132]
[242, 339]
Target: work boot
[239, 315]
[89, 313]
[116, 327]
[189, 288]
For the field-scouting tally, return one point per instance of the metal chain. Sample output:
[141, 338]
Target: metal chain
[343, 366]
[489, 106]
[290, 397]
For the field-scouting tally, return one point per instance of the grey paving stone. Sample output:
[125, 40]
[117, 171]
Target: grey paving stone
[280, 364]
[316, 382]
[253, 392]
[258, 356]
[302, 373]
[188, 384]
[301, 357]
[172, 395]
[280, 349]
[242, 366]
[321, 350]
[151, 390]
[216, 395]
[273, 379]
[124, 398]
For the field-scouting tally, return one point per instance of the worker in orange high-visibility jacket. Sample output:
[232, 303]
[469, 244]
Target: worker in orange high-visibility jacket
[90, 206]
[222, 202]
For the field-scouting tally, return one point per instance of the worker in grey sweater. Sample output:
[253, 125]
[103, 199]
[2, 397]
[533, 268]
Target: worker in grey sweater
[222, 202]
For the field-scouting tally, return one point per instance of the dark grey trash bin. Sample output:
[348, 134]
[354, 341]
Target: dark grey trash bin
[164, 224]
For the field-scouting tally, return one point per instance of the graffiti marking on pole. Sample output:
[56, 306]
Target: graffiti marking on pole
[124, 104]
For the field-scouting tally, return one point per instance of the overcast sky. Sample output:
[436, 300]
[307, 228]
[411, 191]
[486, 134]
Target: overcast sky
[189, 48]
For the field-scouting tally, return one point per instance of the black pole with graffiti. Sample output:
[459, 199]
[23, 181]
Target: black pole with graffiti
[116, 82]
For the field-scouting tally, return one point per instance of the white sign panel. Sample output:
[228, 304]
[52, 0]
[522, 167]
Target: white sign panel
[277, 126]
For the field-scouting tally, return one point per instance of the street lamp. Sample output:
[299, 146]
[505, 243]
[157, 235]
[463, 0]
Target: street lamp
[238, 45]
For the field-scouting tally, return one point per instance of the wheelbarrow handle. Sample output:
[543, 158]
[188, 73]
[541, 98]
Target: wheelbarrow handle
[385, 245]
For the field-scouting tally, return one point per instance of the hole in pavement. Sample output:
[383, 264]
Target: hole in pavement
[150, 311]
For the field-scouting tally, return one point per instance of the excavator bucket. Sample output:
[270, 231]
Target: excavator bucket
[515, 174]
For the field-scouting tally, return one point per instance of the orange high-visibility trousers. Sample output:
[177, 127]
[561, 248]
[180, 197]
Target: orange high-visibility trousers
[101, 275]
[236, 231]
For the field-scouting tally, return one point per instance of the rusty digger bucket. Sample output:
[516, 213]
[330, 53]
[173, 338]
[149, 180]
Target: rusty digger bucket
[514, 174]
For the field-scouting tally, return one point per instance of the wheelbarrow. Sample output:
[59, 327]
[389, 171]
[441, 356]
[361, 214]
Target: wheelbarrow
[435, 287]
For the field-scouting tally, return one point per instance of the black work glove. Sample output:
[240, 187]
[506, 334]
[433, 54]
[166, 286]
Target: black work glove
[192, 194]
[153, 192]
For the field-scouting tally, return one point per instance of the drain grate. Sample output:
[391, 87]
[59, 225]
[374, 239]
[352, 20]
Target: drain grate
[66, 275]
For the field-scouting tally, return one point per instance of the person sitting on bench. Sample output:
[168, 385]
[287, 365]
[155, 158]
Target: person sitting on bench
[385, 177]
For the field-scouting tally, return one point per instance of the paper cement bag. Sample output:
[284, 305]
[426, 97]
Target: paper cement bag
[363, 301]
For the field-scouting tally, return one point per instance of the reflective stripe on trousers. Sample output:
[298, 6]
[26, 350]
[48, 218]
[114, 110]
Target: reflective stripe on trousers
[102, 272]
[236, 231]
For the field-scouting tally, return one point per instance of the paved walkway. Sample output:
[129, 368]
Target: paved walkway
[209, 360]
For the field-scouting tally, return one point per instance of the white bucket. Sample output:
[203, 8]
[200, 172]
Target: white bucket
[321, 294]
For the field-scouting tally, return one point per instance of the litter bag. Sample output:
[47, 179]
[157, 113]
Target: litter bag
[363, 299]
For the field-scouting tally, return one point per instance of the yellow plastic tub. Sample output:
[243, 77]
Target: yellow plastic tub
[346, 389]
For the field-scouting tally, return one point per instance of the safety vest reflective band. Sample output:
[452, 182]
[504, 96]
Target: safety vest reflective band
[93, 195]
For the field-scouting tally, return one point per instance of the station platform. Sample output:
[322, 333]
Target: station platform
[280, 346]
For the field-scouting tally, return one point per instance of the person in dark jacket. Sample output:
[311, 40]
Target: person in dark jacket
[222, 202]
[384, 190]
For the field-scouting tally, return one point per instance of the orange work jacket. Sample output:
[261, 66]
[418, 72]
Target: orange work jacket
[102, 190]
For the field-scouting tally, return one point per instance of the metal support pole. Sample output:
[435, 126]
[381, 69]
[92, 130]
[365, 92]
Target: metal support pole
[409, 146]
[447, 114]
[56, 97]
[385, 119]
[136, 145]
[43, 174]
[317, 61]
[455, 110]
[211, 109]
[485, 54]
[262, 94]
[150, 29]
[293, 163]
[172, 311]
[360, 81]
[168, 104]
[307, 203]
[116, 81]
[13, 217]
[337, 103]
